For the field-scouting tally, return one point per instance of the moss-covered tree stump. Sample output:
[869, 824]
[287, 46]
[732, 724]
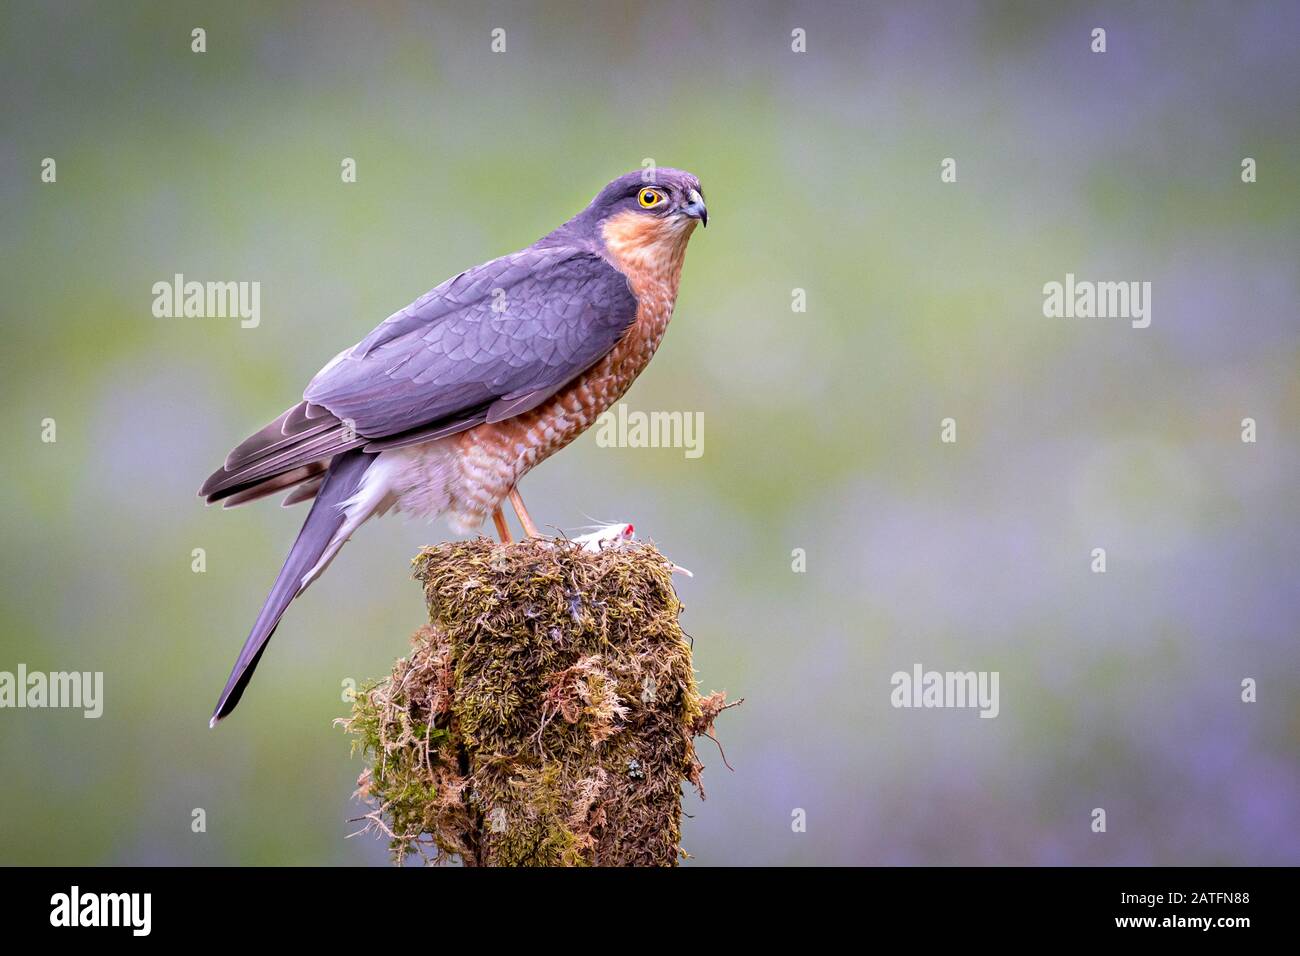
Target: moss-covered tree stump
[546, 715]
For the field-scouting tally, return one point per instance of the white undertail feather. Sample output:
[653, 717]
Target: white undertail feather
[416, 480]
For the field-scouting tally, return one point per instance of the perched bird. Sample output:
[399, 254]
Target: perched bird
[447, 404]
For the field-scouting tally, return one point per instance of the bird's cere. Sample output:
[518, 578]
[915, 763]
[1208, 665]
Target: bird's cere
[695, 207]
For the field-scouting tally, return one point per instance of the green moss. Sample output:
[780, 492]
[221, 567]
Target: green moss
[546, 714]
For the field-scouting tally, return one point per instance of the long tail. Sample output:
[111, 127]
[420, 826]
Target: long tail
[327, 527]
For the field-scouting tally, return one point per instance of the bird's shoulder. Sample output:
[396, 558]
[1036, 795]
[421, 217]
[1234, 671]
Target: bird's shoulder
[511, 330]
[542, 277]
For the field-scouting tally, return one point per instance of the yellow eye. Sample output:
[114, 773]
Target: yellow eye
[649, 198]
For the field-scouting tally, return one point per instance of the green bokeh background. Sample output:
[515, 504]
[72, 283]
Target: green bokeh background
[821, 428]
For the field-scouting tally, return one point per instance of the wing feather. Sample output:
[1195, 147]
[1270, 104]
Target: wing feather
[525, 324]
[491, 343]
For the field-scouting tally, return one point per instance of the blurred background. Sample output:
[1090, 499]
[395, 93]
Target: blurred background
[924, 301]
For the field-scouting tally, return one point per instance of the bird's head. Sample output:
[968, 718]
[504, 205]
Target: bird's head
[667, 195]
[658, 194]
[650, 212]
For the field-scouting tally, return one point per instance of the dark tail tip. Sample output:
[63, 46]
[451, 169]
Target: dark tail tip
[234, 689]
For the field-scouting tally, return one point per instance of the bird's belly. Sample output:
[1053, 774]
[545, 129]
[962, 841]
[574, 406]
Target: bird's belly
[464, 477]
[493, 457]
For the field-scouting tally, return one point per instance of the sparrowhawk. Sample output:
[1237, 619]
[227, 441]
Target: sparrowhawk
[450, 401]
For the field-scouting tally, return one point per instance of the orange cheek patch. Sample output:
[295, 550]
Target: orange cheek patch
[639, 229]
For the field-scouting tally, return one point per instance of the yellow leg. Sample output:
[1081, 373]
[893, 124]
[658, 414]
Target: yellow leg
[503, 529]
[530, 529]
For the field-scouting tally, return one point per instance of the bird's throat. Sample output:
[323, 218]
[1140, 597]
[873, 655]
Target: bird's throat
[649, 250]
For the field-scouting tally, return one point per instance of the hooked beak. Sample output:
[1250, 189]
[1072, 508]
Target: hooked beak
[696, 208]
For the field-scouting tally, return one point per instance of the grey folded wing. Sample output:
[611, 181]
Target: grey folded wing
[491, 343]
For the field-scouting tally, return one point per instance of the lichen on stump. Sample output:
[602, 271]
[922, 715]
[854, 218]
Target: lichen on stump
[546, 715]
